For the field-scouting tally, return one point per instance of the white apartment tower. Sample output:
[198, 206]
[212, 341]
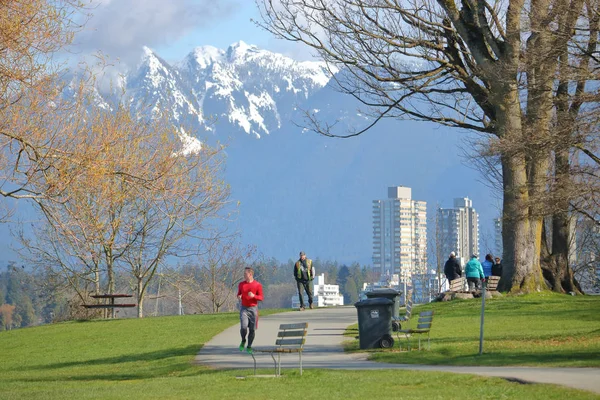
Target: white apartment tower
[399, 234]
[458, 229]
[498, 250]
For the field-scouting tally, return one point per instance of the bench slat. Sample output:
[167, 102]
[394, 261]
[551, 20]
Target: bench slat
[492, 282]
[457, 284]
[424, 326]
[302, 325]
[278, 350]
[291, 333]
[289, 342]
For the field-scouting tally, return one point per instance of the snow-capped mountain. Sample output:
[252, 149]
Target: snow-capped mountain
[298, 190]
[155, 82]
[243, 87]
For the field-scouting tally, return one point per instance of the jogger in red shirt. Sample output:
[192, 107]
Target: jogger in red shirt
[250, 292]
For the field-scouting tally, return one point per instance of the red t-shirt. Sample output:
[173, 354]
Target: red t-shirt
[254, 287]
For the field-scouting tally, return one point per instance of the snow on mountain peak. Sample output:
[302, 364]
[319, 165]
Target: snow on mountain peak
[252, 89]
[155, 65]
[207, 55]
[239, 50]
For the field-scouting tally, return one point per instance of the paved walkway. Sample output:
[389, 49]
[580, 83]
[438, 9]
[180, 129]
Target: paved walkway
[323, 349]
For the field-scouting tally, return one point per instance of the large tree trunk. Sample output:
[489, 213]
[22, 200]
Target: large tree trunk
[521, 270]
[556, 268]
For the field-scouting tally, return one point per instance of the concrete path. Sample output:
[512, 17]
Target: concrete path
[323, 349]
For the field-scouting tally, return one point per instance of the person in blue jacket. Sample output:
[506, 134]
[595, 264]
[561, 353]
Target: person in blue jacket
[474, 273]
[487, 265]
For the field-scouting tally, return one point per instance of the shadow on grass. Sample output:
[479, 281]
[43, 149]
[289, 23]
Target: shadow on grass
[501, 358]
[445, 356]
[150, 356]
[183, 370]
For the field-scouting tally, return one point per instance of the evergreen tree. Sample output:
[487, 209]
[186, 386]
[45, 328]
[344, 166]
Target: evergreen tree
[343, 275]
[350, 292]
[331, 274]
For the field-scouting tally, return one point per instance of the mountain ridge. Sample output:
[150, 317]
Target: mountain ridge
[299, 190]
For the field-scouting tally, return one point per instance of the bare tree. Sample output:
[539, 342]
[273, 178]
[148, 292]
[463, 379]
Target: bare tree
[31, 113]
[506, 70]
[168, 217]
[134, 197]
[221, 268]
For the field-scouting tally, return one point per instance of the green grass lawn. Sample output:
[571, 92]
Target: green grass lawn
[151, 358]
[544, 329]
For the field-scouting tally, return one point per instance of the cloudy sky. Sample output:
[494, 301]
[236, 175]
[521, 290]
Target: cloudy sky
[119, 28]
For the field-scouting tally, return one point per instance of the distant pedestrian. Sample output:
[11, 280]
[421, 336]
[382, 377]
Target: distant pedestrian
[487, 265]
[304, 273]
[474, 273]
[250, 292]
[452, 268]
[497, 267]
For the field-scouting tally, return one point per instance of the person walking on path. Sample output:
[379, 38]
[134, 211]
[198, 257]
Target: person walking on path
[487, 265]
[474, 273]
[304, 274]
[452, 268]
[497, 267]
[250, 292]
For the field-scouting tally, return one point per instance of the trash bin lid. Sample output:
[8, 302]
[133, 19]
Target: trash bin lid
[384, 292]
[376, 301]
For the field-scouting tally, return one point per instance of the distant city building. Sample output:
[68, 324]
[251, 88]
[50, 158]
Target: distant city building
[498, 250]
[323, 295]
[458, 229]
[387, 282]
[399, 234]
[425, 286]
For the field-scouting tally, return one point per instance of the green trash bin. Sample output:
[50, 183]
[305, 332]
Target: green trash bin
[393, 295]
[375, 323]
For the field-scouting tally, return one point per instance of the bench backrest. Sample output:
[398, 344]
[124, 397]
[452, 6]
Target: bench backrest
[408, 308]
[425, 320]
[292, 335]
[492, 282]
[458, 284]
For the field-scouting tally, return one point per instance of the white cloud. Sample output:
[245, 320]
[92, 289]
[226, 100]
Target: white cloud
[119, 28]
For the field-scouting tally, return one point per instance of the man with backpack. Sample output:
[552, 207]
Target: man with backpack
[304, 273]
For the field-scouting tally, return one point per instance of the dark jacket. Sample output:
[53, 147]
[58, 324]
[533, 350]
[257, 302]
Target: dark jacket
[497, 269]
[452, 269]
[304, 271]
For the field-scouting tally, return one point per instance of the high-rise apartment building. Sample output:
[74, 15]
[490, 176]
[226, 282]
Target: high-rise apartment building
[399, 234]
[498, 250]
[458, 229]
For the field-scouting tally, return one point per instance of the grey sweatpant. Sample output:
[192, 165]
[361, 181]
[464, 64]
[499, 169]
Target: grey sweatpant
[248, 317]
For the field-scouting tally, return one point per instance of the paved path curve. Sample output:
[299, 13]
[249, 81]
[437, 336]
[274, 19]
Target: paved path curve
[323, 349]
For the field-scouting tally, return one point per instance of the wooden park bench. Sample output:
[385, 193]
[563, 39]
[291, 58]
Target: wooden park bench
[458, 285]
[111, 302]
[290, 339]
[492, 283]
[423, 326]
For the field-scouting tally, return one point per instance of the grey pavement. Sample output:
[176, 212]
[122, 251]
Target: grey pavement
[323, 349]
